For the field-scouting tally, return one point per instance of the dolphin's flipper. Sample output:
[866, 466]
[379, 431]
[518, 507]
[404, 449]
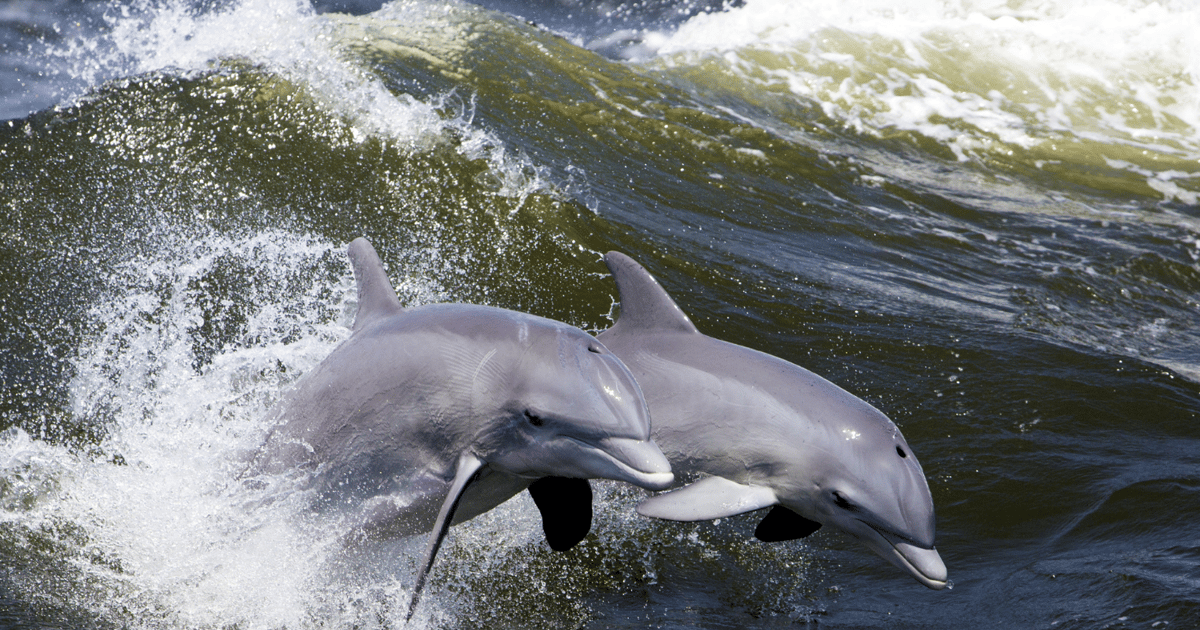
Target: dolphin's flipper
[566, 507]
[645, 305]
[469, 467]
[709, 498]
[782, 524]
[376, 297]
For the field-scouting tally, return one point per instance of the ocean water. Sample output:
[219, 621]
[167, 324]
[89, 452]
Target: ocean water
[983, 217]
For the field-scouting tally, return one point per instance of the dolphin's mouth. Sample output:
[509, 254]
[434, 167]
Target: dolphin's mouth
[923, 563]
[639, 462]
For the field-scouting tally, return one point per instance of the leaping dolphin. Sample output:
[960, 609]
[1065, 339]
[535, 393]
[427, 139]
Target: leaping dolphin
[430, 416]
[762, 432]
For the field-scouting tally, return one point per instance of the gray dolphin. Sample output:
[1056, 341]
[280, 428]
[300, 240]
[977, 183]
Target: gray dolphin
[430, 416]
[762, 432]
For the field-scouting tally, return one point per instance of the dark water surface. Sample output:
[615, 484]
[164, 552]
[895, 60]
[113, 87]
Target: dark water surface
[981, 217]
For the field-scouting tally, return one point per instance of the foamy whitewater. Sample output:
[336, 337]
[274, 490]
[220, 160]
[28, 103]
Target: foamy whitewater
[173, 536]
[1058, 80]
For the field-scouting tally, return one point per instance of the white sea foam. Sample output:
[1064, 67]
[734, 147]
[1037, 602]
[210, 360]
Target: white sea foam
[155, 527]
[1064, 80]
[159, 509]
[321, 54]
[282, 36]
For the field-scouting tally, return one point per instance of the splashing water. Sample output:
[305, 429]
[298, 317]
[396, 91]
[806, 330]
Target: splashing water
[1113, 85]
[152, 524]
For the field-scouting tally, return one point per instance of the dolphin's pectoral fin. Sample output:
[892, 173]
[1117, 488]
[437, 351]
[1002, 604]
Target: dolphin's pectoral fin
[566, 507]
[469, 467]
[782, 524]
[709, 498]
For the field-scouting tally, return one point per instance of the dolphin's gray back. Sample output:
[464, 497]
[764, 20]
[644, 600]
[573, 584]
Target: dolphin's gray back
[376, 408]
[723, 409]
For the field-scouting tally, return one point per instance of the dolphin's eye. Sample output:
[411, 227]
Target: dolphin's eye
[840, 500]
[901, 453]
[595, 348]
[534, 419]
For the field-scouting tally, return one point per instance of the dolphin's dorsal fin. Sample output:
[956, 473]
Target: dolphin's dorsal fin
[709, 498]
[645, 305]
[376, 297]
[566, 507]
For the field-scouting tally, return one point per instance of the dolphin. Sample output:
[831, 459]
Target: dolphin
[426, 417]
[760, 432]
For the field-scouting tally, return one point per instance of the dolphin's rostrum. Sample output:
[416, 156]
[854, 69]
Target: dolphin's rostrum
[429, 416]
[761, 432]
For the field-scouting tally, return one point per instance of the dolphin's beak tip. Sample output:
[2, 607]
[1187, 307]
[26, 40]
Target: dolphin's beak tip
[643, 462]
[659, 481]
[654, 480]
[939, 581]
[923, 563]
[933, 573]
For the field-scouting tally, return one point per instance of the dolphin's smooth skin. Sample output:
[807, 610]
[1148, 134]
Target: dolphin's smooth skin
[760, 432]
[429, 416]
